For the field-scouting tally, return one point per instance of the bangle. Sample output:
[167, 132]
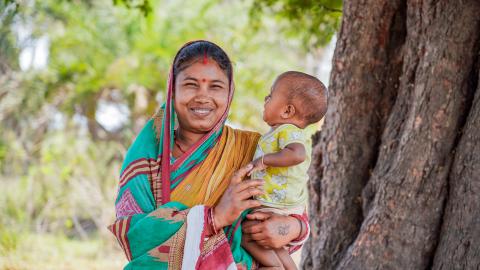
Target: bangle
[301, 220]
[301, 228]
[212, 221]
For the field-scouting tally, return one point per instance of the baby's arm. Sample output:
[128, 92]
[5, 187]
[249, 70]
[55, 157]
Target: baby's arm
[292, 154]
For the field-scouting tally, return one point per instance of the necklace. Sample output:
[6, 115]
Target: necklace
[176, 143]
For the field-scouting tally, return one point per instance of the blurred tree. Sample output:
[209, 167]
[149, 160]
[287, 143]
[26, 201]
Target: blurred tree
[395, 178]
[57, 147]
[318, 20]
[8, 51]
[96, 51]
[143, 5]
[100, 64]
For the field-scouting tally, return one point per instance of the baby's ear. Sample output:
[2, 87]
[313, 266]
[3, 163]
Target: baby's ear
[288, 111]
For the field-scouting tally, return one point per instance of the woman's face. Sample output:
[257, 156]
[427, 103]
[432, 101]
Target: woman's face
[201, 96]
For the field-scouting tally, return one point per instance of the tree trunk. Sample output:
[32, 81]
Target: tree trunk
[396, 174]
[460, 233]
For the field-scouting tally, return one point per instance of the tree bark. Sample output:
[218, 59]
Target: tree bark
[384, 192]
[353, 133]
[460, 233]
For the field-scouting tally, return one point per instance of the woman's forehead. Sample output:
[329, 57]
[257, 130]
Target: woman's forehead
[199, 70]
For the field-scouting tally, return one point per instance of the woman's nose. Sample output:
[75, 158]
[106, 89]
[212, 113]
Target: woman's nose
[202, 99]
[202, 95]
[203, 88]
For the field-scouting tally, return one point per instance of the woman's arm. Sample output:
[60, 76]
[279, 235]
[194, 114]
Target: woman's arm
[275, 231]
[151, 237]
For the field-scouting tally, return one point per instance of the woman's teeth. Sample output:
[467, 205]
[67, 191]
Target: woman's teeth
[201, 111]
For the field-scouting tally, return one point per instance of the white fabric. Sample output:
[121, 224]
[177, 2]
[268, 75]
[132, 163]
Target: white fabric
[232, 266]
[195, 225]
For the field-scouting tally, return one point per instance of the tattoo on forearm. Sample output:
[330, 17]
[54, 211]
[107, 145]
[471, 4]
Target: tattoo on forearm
[283, 229]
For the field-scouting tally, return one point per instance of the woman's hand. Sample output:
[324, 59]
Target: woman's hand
[271, 230]
[236, 198]
[257, 165]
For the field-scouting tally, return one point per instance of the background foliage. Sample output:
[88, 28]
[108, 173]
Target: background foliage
[67, 119]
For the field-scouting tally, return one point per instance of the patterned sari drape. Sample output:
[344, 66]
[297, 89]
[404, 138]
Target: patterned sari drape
[154, 236]
[161, 201]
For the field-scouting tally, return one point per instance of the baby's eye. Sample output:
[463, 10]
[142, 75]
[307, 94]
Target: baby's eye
[267, 97]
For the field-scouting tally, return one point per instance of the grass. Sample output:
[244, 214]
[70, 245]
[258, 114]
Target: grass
[52, 252]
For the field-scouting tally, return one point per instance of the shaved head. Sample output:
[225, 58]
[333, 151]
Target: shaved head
[307, 93]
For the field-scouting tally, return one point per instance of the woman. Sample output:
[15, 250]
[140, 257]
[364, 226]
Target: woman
[181, 198]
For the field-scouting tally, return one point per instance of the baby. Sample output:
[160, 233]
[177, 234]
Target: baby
[282, 158]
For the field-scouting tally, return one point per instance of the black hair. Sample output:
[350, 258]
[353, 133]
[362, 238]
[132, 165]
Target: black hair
[309, 91]
[196, 50]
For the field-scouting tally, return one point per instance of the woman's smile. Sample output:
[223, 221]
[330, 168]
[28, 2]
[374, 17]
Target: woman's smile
[201, 111]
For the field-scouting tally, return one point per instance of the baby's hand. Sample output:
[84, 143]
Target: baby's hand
[258, 165]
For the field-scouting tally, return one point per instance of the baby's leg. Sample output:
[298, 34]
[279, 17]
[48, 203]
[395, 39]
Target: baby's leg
[287, 261]
[267, 258]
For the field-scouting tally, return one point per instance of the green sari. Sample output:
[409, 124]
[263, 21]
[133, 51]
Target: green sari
[161, 202]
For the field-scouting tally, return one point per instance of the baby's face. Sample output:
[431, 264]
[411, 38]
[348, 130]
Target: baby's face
[275, 104]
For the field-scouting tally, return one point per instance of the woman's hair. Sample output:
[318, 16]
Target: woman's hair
[199, 50]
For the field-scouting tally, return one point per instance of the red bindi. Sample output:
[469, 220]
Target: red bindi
[203, 80]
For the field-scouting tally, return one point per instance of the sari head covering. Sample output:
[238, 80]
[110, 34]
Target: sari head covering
[162, 202]
[174, 173]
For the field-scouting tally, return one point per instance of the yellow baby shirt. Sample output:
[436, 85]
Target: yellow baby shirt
[285, 187]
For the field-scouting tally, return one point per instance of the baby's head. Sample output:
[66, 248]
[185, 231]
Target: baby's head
[295, 98]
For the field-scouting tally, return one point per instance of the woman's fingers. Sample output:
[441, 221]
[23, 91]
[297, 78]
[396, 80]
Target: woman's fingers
[259, 216]
[258, 236]
[248, 223]
[264, 244]
[248, 184]
[255, 168]
[250, 192]
[236, 198]
[240, 174]
[252, 228]
[252, 170]
[247, 204]
[241, 266]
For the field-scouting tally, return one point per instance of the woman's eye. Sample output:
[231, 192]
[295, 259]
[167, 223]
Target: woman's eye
[217, 87]
[190, 84]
